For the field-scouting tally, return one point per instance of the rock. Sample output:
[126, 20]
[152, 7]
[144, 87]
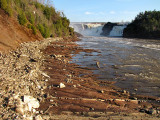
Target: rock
[135, 89]
[62, 85]
[124, 91]
[107, 28]
[28, 118]
[44, 74]
[134, 101]
[98, 64]
[31, 102]
[151, 111]
[20, 110]
[101, 91]
[38, 117]
[142, 110]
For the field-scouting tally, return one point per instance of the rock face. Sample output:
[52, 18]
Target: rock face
[22, 80]
[108, 28]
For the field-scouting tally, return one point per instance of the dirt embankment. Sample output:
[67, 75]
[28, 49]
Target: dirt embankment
[12, 33]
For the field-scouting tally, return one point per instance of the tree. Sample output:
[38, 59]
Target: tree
[145, 25]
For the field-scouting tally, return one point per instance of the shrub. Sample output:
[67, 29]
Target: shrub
[9, 11]
[37, 5]
[41, 29]
[6, 6]
[30, 17]
[29, 26]
[3, 4]
[71, 30]
[22, 18]
[34, 30]
[46, 31]
[47, 12]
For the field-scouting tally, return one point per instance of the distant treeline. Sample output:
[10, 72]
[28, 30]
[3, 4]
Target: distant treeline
[38, 15]
[145, 25]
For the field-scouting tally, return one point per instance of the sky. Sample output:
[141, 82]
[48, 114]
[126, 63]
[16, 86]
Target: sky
[104, 10]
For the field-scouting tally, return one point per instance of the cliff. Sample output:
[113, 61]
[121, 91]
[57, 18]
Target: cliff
[107, 28]
[12, 33]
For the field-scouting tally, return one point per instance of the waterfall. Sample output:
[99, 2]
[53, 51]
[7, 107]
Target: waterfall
[93, 29]
[117, 31]
[87, 29]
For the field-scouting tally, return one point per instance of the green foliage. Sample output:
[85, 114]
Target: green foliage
[37, 5]
[34, 29]
[71, 30]
[41, 29]
[22, 18]
[145, 25]
[30, 17]
[47, 12]
[9, 11]
[3, 4]
[44, 30]
[29, 26]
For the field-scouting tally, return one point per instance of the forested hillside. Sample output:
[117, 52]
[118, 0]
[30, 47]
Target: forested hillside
[38, 15]
[145, 25]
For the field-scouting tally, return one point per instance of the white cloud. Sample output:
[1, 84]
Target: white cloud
[88, 13]
[112, 12]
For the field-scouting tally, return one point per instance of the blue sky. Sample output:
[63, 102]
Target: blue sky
[104, 10]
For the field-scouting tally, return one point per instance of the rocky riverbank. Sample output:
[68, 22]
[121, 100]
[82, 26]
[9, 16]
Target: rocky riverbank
[22, 80]
[39, 81]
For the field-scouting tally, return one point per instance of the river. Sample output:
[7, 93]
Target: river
[133, 64]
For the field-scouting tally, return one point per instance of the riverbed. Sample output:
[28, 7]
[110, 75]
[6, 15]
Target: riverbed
[132, 63]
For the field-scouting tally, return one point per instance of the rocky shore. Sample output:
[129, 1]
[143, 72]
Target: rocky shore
[22, 80]
[39, 81]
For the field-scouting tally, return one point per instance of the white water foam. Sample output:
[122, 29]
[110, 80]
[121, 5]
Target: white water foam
[117, 31]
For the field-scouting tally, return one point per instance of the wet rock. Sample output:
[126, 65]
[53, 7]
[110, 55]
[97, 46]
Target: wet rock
[98, 64]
